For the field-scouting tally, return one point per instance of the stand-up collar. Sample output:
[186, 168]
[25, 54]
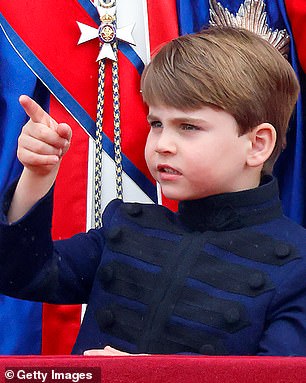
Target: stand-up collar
[230, 211]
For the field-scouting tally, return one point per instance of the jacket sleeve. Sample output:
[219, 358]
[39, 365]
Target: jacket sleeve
[33, 267]
[285, 332]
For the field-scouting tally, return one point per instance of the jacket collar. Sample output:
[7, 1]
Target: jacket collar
[230, 211]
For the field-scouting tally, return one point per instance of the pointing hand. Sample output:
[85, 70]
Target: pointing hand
[42, 141]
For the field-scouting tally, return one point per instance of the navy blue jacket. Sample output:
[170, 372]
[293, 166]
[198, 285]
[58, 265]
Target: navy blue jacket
[225, 275]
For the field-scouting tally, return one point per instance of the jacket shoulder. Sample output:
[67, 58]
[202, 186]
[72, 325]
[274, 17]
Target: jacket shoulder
[143, 215]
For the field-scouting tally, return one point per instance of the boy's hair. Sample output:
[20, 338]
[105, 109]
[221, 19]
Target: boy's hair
[230, 68]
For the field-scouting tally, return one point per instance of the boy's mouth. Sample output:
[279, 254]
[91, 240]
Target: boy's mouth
[167, 169]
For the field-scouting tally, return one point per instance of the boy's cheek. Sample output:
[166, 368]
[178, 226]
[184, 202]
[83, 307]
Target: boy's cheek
[148, 152]
[151, 166]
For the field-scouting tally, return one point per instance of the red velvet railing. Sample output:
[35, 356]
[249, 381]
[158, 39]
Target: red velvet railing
[153, 369]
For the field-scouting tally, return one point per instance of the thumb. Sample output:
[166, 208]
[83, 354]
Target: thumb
[65, 131]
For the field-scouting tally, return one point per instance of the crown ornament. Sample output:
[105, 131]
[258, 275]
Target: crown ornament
[251, 15]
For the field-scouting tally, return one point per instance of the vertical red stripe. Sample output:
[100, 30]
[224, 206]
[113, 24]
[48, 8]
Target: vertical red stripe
[163, 24]
[296, 10]
[61, 323]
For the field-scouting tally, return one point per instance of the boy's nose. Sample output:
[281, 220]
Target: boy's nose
[165, 143]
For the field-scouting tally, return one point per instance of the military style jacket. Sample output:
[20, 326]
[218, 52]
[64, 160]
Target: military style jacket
[224, 275]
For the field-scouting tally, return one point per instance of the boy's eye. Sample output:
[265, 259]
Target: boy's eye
[155, 124]
[189, 127]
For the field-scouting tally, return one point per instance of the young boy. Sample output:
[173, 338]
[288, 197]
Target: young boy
[224, 275]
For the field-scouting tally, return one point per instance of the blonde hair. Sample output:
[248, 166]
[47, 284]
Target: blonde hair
[230, 68]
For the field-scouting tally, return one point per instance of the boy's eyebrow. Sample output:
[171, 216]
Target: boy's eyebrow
[151, 117]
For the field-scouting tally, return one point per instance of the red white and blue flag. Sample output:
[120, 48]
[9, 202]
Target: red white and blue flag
[39, 56]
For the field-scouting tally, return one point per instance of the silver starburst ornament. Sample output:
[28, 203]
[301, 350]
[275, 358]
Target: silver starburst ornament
[251, 15]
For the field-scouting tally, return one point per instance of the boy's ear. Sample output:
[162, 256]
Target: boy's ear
[262, 143]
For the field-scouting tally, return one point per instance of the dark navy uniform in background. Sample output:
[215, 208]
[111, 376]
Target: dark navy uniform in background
[226, 275]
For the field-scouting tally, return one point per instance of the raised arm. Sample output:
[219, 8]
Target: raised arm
[41, 145]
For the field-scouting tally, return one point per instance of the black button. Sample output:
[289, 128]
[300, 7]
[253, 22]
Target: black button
[114, 234]
[134, 210]
[105, 318]
[282, 250]
[106, 274]
[232, 315]
[136, 292]
[256, 281]
[207, 349]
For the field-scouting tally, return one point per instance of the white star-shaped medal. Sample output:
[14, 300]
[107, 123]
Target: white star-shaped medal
[107, 33]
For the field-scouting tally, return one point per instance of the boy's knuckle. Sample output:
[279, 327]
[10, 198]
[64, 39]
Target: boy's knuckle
[20, 140]
[20, 154]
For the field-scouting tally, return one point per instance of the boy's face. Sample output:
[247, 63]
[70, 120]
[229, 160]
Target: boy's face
[196, 153]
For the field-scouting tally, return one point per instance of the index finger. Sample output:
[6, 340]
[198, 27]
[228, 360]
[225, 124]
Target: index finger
[36, 112]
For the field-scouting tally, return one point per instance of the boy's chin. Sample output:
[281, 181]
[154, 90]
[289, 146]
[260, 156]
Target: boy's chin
[174, 193]
[171, 196]
[174, 196]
